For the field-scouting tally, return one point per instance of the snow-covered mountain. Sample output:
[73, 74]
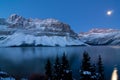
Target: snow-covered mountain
[19, 31]
[101, 37]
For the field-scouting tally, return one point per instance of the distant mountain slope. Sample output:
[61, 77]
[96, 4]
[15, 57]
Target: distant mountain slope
[101, 37]
[19, 31]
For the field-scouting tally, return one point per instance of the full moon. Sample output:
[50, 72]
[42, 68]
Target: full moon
[109, 12]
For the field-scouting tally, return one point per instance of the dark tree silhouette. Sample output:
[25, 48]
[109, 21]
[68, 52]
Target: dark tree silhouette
[48, 70]
[85, 71]
[100, 69]
[65, 71]
[56, 69]
[93, 72]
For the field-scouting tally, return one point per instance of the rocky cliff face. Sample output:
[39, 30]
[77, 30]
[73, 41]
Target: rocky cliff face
[40, 25]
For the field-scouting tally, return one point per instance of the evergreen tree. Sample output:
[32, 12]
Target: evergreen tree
[100, 69]
[48, 70]
[85, 71]
[66, 73]
[57, 69]
[93, 72]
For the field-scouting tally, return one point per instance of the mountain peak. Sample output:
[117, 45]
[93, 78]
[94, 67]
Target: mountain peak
[12, 15]
[15, 18]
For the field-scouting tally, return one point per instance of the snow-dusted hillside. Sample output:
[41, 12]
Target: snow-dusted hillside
[101, 37]
[19, 31]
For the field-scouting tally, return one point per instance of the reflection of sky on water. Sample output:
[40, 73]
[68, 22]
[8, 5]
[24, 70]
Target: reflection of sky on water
[32, 59]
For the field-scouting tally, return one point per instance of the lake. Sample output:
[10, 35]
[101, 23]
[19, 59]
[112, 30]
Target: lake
[23, 61]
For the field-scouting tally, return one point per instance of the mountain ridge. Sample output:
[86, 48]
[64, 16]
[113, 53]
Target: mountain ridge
[19, 31]
[101, 37]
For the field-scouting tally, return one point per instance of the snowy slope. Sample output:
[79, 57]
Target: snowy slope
[19, 31]
[101, 37]
[20, 39]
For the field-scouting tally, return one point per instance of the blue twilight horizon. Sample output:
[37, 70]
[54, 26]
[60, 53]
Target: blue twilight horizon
[81, 15]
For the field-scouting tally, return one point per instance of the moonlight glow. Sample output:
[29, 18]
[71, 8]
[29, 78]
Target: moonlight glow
[109, 12]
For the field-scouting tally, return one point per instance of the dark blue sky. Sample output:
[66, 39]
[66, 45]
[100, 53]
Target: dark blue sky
[81, 15]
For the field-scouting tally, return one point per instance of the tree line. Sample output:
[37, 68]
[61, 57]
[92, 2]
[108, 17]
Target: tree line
[61, 70]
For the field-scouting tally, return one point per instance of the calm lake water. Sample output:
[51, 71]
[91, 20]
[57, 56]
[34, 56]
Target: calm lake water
[23, 61]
